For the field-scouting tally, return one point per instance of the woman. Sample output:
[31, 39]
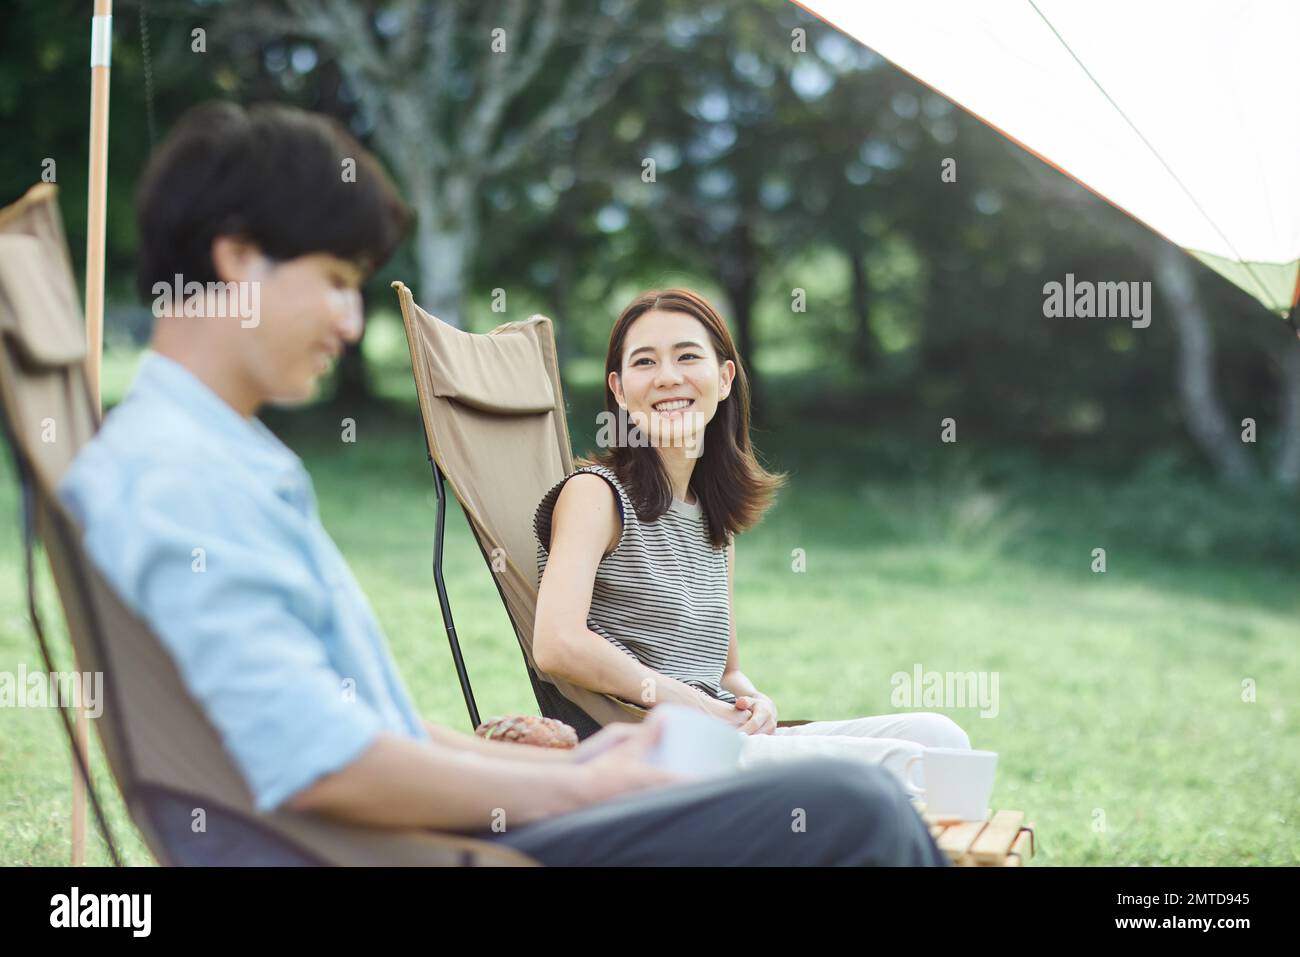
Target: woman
[636, 547]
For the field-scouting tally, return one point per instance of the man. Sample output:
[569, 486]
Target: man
[206, 525]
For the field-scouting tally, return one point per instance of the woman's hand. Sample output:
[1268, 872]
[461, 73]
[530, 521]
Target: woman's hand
[732, 714]
[761, 711]
[692, 697]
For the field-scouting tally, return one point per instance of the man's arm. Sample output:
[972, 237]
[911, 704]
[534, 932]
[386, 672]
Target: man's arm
[402, 783]
[397, 782]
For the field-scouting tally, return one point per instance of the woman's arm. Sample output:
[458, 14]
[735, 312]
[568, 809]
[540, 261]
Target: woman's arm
[584, 526]
[733, 679]
[763, 717]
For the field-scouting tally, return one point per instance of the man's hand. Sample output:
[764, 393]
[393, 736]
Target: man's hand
[613, 760]
[611, 735]
[761, 711]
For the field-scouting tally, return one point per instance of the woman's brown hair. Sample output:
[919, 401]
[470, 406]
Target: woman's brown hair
[731, 486]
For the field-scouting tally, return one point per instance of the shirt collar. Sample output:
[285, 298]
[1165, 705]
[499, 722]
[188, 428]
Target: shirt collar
[165, 380]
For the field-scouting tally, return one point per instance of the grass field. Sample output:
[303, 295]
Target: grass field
[1121, 725]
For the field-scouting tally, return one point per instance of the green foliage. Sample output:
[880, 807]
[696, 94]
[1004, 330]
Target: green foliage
[776, 171]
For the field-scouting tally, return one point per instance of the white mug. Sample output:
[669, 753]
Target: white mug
[958, 782]
[692, 743]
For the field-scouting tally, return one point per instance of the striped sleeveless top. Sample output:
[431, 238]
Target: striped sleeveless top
[661, 594]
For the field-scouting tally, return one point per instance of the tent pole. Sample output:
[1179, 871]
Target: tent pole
[96, 212]
[101, 43]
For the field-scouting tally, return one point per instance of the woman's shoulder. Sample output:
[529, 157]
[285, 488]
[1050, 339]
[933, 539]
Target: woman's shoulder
[601, 475]
[596, 482]
[610, 476]
[596, 468]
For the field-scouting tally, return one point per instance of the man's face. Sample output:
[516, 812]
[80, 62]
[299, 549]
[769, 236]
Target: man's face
[310, 308]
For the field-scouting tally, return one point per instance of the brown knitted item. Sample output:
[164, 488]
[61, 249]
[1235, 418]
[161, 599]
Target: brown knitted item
[529, 729]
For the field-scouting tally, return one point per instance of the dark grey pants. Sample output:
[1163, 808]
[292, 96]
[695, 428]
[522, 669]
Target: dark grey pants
[814, 811]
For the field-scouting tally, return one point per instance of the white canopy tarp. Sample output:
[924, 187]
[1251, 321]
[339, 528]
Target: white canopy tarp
[1185, 114]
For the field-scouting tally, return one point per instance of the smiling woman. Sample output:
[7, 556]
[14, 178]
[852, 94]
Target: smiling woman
[634, 595]
[636, 546]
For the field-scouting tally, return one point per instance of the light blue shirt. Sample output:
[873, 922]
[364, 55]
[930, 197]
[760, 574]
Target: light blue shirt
[205, 524]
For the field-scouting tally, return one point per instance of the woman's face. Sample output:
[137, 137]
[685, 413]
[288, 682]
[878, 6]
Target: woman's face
[671, 381]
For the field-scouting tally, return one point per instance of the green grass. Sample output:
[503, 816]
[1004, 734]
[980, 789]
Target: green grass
[1121, 728]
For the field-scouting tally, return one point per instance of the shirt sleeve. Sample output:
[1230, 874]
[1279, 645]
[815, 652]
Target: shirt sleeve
[240, 609]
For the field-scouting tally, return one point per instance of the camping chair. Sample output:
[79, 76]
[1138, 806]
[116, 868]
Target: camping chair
[165, 756]
[495, 429]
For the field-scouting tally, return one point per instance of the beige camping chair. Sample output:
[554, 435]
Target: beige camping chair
[495, 428]
[165, 756]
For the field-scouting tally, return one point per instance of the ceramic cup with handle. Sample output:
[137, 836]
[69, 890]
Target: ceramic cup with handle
[958, 782]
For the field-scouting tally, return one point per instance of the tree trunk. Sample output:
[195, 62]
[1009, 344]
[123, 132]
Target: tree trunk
[1286, 470]
[1203, 410]
[442, 262]
[446, 234]
[864, 343]
[742, 283]
[561, 294]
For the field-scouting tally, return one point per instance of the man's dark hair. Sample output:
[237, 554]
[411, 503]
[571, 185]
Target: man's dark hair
[271, 174]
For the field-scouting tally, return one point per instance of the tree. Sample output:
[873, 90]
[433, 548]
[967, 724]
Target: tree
[1286, 469]
[1207, 419]
[458, 93]
[719, 149]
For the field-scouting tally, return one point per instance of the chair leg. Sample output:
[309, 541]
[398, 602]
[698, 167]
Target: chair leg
[445, 604]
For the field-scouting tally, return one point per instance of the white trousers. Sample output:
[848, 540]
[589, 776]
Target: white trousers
[887, 740]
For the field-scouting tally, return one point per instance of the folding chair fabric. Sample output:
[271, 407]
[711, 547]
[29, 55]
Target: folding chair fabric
[495, 425]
